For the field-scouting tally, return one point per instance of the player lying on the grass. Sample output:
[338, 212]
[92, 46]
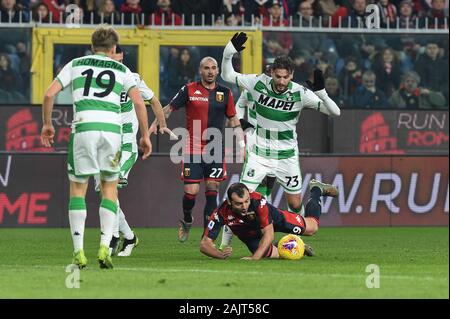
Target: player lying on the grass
[246, 113]
[129, 157]
[254, 221]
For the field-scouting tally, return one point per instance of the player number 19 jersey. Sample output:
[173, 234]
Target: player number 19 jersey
[97, 82]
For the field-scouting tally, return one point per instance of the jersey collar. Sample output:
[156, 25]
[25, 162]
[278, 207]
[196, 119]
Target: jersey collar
[275, 92]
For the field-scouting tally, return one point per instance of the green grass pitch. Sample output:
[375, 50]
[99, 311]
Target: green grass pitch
[413, 263]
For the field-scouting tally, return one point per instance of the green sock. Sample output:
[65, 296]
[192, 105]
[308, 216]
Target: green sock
[262, 189]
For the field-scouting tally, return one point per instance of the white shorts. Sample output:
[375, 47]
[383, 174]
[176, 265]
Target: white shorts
[94, 152]
[126, 164]
[287, 171]
[250, 140]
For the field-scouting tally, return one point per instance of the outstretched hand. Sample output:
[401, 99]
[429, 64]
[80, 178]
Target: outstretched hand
[319, 81]
[165, 129]
[238, 41]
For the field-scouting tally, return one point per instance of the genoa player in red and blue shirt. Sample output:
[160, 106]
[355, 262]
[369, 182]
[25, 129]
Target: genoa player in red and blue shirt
[207, 105]
[254, 221]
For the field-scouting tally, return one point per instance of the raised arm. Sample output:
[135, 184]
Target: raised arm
[234, 45]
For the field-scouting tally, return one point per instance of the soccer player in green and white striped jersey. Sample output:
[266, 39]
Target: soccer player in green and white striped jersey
[95, 143]
[278, 104]
[246, 108]
[130, 126]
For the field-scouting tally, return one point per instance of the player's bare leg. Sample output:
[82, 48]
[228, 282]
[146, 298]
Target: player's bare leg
[294, 202]
[185, 224]
[77, 218]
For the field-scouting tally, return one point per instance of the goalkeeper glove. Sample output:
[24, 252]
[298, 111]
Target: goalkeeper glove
[319, 81]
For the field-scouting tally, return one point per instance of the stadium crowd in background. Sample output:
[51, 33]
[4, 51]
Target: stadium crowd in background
[340, 56]
[267, 12]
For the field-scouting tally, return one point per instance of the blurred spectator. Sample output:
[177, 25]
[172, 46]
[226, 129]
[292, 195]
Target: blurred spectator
[181, 72]
[407, 50]
[368, 95]
[165, 15]
[334, 91]
[199, 11]
[11, 11]
[255, 9]
[132, 12]
[432, 69]
[107, 13]
[118, 3]
[10, 80]
[387, 68]
[275, 15]
[421, 6]
[24, 66]
[41, 13]
[411, 96]
[323, 65]
[310, 42]
[350, 77]
[54, 9]
[436, 15]
[149, 7]
[356, 15]
[275, 18]
[388, 13]
[302, 68]
[233, 20]
[305, 15]
[90, 12]
[272, 47]
[233, 7]
[407, 17]
[332, 11]
[230, 20]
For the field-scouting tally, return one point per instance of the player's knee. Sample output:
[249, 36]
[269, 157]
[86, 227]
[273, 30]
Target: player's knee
[212, 186]
[311, 227]
[192, 189]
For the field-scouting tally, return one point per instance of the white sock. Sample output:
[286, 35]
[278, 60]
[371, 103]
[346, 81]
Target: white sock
[227, 235]
[116, 222]
[77, 218]
[107, 212]
[123, 226]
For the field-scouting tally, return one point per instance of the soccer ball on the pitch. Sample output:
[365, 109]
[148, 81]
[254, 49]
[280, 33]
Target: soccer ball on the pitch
[291, 247]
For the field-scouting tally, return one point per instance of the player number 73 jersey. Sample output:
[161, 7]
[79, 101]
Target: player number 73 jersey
[276, 114]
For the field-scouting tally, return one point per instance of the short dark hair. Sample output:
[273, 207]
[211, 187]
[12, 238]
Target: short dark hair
[283, 62]
[238, 189]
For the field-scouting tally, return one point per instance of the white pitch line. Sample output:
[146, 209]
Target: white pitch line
[256, 273]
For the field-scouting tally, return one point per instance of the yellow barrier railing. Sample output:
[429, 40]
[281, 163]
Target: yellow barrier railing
[148, 42]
